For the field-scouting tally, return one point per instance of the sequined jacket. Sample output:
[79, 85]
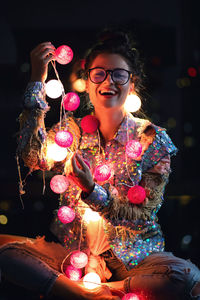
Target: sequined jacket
[132, 230]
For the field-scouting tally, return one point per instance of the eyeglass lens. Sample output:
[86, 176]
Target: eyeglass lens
[98, 75]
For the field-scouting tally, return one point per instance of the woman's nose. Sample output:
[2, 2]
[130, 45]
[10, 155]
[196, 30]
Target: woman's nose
[109, 78]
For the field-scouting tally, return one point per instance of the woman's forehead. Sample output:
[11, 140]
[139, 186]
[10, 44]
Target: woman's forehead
[109, 61]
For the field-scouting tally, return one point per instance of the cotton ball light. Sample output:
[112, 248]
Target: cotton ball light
[59, 184]
[91, 280]
[54, 88]
[73, 273]
[133, 149]
[78, 259]
[91, 216]
[136, 194]
[102, 172]
[71, 101]
[66, 214]
[56, 152]
[89, 123]
[64, 138]
[131, 296]
[132, 103]
[64, 54]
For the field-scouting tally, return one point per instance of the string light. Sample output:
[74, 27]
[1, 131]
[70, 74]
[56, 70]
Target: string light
[78, 259]
[91, 280]
[64, 54]
[89, 123]
[132, 103]
[64, 138]
[71, 101]
[91, 216]
[56, 152]
[133, 149]
[73, 273]
[59, 184]
[54, 88]
[136, 194]
[66, 214]
[131, 296]
[102, 172]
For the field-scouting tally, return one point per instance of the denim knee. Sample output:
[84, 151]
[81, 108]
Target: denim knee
[20, 267]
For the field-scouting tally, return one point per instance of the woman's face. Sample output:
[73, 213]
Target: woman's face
[108, 94]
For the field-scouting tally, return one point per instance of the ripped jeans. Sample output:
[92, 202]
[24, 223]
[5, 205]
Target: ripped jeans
[160, 276]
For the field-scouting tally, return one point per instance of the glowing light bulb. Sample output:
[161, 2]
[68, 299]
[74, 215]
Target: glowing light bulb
[71, 101]
[79, 85]
[91, 216]
[73, 273]
[132, 103]
[66, 214]
[89, 123]
[56, 152]
[78, 259]
[102, 172]
[54, 88]
[64, 54]
[64, 138]
[91, 280]
[136, 194]
[59, 184]
[131, 296]
[133, 149]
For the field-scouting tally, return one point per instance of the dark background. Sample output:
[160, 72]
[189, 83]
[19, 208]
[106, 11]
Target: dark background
[168, 38]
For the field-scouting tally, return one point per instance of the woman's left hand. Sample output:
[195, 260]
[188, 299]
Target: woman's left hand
[81, 174]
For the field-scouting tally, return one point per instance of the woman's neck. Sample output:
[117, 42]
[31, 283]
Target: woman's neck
[109, 123]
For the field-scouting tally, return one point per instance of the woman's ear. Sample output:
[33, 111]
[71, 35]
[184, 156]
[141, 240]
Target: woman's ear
[132, 88]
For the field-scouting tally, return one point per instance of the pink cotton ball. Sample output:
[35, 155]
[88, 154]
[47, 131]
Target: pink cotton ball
[66, 214]
[64, 138]
[78, 259]
[102, 172]
[89, 124]
[133, 149]
[71, 101]
[136, 194]
[59, 184]
[73, 273]
[131, 296]
[64, 54]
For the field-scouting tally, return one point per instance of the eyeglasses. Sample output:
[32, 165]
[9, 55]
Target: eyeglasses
[119, 76]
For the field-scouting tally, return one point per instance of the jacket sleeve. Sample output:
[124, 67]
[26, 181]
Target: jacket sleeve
[34, 139]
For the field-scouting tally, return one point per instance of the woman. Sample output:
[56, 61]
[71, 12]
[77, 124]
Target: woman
[125, 246]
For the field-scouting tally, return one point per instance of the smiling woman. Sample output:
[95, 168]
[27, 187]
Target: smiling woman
[119, 169]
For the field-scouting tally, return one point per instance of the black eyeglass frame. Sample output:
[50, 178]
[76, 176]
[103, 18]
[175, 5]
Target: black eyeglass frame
[111, 73]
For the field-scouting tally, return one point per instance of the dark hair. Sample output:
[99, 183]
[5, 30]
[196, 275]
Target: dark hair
[118, 42]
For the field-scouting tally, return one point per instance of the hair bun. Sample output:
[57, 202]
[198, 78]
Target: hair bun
[110, 36]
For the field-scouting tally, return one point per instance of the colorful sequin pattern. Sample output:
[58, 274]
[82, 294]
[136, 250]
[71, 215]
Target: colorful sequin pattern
[125, 172]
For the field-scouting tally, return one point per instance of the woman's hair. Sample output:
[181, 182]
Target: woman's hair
[117, 42]
[113, 41]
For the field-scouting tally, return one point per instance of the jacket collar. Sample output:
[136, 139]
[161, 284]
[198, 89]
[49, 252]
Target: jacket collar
[90, 140]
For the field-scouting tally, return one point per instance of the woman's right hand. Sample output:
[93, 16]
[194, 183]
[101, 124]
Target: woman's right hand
[40, 57]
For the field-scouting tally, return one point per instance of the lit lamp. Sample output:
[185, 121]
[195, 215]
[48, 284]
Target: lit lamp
[102, 172]
[91, 280]
[66, 214]
[54, 88]
[133, 149]
[131, 296]
[64, 54]
[73, 273]
[59, 184]
[63, 138]
[78, 259]
[71, 101]
[132, 103]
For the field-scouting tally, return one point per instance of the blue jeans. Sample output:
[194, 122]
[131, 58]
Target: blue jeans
[160, 276]
[21, 268]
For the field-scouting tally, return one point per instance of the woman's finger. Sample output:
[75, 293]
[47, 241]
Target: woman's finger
[81, 162]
